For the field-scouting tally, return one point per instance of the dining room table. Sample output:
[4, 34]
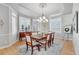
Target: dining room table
[39, 37]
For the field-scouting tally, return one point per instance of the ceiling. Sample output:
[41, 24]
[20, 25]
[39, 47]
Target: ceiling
[33, 10]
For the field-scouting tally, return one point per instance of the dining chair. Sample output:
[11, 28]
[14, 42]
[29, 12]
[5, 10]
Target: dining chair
[52, 38]
[45, 41]
[31, 43]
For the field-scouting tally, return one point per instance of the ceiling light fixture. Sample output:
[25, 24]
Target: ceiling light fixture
[43, 18]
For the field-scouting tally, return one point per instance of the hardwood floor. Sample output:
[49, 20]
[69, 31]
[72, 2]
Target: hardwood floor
[11, 50]
[67, 48]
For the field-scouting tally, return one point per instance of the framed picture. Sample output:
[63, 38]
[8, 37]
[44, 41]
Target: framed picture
[75, 22]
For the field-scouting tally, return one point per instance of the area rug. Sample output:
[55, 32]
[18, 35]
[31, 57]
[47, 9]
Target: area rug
[55, 49]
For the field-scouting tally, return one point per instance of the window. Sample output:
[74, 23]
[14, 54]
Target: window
[24, 24]
[39, 26]
[55, 24]
[35, 25]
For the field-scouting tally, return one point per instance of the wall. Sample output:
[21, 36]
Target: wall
[67, 20]
[13, 37]
[6, 36]
[4, 30]
[76, 35]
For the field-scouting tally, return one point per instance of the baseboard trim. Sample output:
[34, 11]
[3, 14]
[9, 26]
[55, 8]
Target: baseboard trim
[10, 44]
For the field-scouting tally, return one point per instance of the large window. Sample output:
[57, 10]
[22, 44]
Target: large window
[35, 25]
[24, 24]
[55, 24]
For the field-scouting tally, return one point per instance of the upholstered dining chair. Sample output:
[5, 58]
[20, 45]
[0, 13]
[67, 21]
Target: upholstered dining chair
[32, 43]
[45, 41]
[52, 37]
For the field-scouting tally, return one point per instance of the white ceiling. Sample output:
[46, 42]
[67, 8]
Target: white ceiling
[33, 10]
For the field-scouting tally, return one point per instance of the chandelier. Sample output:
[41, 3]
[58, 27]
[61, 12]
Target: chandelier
[43, 18]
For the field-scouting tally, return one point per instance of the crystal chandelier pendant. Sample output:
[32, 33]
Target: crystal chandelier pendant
[43, 18]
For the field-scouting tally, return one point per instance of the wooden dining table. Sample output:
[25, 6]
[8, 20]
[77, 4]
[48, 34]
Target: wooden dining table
[38, 37]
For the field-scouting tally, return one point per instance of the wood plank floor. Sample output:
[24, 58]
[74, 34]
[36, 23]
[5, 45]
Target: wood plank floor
[67, 48]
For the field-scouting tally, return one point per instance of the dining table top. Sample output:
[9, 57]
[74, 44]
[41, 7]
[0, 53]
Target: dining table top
[38, 37]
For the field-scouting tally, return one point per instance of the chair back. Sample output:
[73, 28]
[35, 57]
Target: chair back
[48, 37]
[28, 37]
[52, 35]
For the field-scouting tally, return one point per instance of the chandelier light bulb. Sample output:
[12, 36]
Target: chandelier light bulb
[40, 19]
[44, 17]
[46, 20]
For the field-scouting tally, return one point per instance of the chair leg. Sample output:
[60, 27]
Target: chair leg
[38, 48]
[45, 47]
[32, 51]
[48, 44]
[52, 40]
[27, 47]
